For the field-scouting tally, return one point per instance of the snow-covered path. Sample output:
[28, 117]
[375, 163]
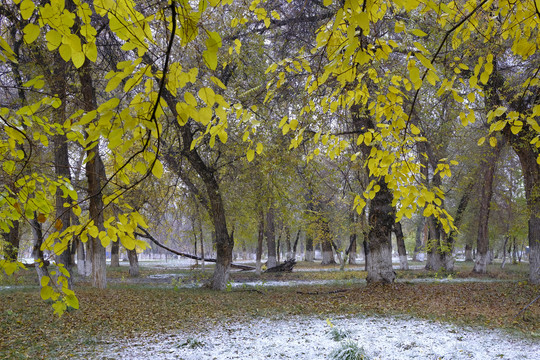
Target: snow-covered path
[308, 338]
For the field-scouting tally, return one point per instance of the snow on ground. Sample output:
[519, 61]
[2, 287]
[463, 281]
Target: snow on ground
[308, 338]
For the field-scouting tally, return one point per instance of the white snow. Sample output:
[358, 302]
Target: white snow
[307, 338]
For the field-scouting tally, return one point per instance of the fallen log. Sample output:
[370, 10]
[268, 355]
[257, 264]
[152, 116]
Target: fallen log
[287, 266]
[148, 236]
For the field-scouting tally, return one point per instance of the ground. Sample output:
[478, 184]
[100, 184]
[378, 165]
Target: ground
[166, 314]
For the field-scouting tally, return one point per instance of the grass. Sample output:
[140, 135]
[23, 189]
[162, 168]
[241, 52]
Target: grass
[28, 328]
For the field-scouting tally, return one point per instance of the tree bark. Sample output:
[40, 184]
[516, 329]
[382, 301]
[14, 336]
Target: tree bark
[381, 216]
[418, 245]
[310, 253]
[115, 254]
[12, 238]
[402, 251]
[326, 242]
[94, 172]
[295, 245]
[260, 240]
[381, 220]
[352, 249]
[133, 263]
[37, 253]
[488, 168]
[270, 235]
[468, 251]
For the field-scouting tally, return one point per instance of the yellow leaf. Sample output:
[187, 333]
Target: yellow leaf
[31, 33]
[157, 170]
[90, 50]
[259, 148]
[54, 39]
[72, 301]
[418, 32]
[27, 9]
[113, 83]
[250, 155]
[415, 130]
[492, 141]
[481, 141]
[65, 52]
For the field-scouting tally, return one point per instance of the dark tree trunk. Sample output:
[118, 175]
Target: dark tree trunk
[504, 252]
[326, 242]
[366, 253]
[288, 243]
[95, 170]
[352, 249]
[12, 238]
[381, 216]
[260, 240]
[61, 165]
[381, 220]
[115, 254]
[37, 253]
[133, 263]
[310, 253]
[295, 245]
[488, 168]
[418, 245]
[270, 235]
[402, 251]
[528, 155]
[469, 251]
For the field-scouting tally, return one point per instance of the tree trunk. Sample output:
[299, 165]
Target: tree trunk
[468, 251]
[295, 245]
[352, 250]
[12, 238]
[326, 243]
[115, 254]
[528, 155]
[270, 238]
[310, 253]
[288, 243]
[37, 231]
[381, 216]
[381, 220]
[95, 170]
[488, 168]
[133, 263]
[260, 240]
[61, 165]
[418, 245]
[434, 256]
[504, 252]
[402, 251]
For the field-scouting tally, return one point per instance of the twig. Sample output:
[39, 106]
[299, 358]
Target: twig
[323, 293]
[525, 308]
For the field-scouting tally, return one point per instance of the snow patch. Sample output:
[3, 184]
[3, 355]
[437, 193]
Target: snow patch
[308, 338]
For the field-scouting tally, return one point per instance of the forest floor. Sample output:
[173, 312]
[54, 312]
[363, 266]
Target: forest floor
[166, 314]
